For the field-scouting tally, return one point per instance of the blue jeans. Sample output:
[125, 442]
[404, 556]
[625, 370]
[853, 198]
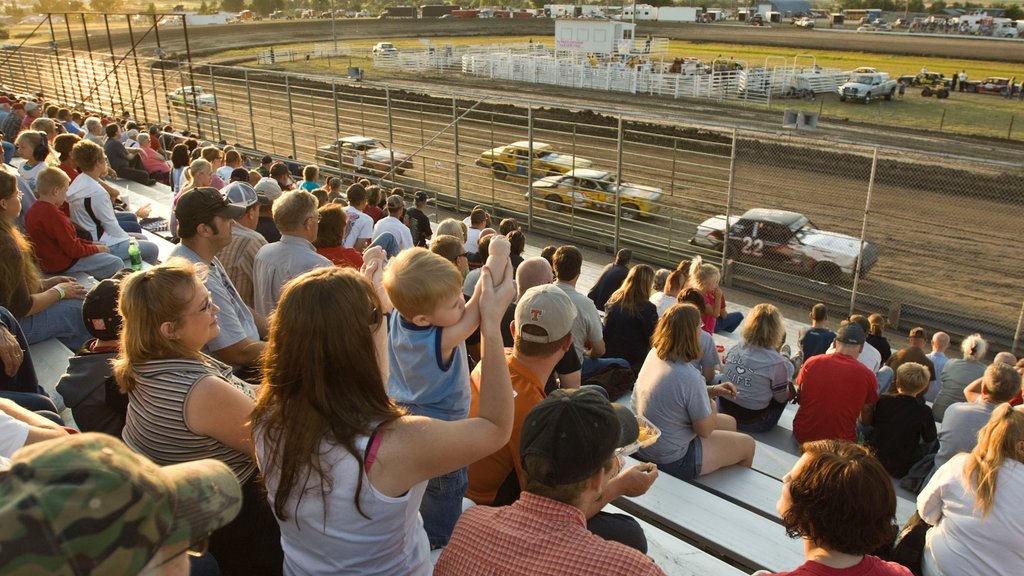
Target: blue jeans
[387, 241]
[62, 321]
[764, 422]
[8, 152]
[24, 380]
[730, 323]
[149, 250]
[442, 505]
[129, 222]
[100, 265]
[688, 467]
[591, 365]
[38, 403]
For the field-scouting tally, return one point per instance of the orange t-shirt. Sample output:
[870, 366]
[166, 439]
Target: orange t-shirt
[488, 474]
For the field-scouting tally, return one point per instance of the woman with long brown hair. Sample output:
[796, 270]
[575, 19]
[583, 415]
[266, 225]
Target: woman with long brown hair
[975, 503]
[45, 308]
[346, 469]
[184, 405]
[673, 395]
[630, 318]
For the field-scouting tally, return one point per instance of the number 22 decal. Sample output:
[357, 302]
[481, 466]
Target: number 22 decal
[752, 246]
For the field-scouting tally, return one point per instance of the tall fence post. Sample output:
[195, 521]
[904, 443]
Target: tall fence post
[56, 56]
[391, 137]
[863, 230]
[529, 164]
[113, 64]
[455, 134]
[618, 194]
[252, 117]
[191, 74]
[156, 98]
[92, 63]
[74, 60]
[184, 103]
[216, 116]
[726, 266]
[138, 74]
[1016, 333]
[291, 115]
[337, 118]
[163, 71]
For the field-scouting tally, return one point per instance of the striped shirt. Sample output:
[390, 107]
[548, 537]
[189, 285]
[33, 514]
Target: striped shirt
[238, 257]
[156, 425]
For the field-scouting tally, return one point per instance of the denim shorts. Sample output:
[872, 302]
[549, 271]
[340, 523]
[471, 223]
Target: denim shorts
[687, 467]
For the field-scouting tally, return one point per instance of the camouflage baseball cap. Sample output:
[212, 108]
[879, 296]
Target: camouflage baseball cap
[87, 504]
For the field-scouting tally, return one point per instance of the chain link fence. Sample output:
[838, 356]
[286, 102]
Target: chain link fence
[924, 239]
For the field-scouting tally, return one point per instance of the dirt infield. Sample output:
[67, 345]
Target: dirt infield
[206, 40]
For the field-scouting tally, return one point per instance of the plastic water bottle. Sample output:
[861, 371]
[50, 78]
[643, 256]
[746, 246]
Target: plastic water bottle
[134, 255]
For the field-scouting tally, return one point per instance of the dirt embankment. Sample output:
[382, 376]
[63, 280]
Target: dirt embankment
[206, 40]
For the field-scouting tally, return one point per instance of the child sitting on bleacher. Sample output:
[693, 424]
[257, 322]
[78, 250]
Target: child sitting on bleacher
[903, 425]
[88, 386]
[58, 247]
[428, 372]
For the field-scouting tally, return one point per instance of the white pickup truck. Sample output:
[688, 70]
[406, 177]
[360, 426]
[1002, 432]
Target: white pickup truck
[867, 87]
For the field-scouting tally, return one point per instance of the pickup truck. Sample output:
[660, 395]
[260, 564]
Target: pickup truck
[867, 87]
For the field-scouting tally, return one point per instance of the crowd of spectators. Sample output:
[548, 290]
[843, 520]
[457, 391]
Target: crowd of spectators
[323, 381]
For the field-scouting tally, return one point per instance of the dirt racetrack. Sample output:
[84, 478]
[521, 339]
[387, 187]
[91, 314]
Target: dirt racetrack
[205, 40]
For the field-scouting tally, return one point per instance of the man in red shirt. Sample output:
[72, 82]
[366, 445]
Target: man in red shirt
[568, 443]
[834, 389]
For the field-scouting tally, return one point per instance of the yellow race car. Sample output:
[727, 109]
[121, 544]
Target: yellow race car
[513, 159]
[596, 190]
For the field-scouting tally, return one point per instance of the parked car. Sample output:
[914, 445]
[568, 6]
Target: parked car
[867, 87]
[596, 190]
[384, 49]
[788, 242]
[514, 159]
[363, 155]
[190, 96]
[990, 85]
[934, 79]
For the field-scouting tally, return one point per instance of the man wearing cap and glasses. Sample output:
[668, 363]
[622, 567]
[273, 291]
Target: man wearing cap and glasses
[834, 389]
[240, 253]
[205, 220]
[87, 504]
[568, 445]
[914, 352]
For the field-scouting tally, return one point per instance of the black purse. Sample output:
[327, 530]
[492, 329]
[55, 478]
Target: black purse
[910, 544]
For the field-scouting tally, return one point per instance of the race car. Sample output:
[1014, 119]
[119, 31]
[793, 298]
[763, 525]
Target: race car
[363, 155]
[991, 85]
[513, 159]
[597, 190]
[190, 96]
[788, 242]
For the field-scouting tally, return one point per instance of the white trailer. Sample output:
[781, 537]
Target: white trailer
[679, 14]
[560, 10]
[592, 36]
[643, 12]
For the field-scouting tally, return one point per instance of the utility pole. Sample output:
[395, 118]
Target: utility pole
[334, 30]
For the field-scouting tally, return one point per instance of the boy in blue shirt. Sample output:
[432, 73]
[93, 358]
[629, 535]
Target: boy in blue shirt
[428, 370]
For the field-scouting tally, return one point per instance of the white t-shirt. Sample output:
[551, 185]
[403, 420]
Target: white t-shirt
[961, 541]
[29, 175]
[869, 357]
[13, 434]
[662, 302]
[360, 226]
[224, 173]
[472, 244]
[397, 228]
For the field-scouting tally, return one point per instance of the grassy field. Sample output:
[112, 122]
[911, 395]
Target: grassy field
[976, 114]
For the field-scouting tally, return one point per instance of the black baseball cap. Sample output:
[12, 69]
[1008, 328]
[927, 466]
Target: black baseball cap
[577, 431]
[99, 309]
[199, 204]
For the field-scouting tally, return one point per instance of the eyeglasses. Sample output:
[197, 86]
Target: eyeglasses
[206, 308]
[318, 217]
